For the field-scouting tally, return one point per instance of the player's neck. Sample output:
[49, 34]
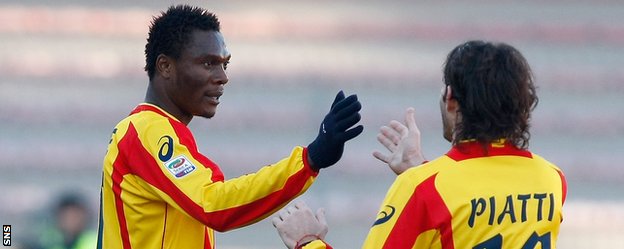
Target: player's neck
[158, 98]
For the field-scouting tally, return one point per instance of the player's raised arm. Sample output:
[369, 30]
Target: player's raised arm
[274, 186]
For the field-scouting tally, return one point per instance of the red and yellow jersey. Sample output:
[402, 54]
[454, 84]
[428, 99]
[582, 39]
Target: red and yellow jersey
[158, 191]
[501, 197]
[316, 244]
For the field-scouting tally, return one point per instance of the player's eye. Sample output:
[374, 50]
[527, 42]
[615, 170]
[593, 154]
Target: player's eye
[210, 64]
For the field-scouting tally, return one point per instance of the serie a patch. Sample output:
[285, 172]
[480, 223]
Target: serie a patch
[180, 166]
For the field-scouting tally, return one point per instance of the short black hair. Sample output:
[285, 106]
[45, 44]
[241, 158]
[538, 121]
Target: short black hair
[493, 84]
[170, 32]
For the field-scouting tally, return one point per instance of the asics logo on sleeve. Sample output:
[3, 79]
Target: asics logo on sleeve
[385, 216]
[166, 149]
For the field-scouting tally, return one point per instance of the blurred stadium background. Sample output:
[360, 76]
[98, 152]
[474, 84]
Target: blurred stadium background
[70, 70]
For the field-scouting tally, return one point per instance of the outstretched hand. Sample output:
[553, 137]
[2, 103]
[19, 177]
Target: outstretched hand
[297, 225]
[403, 142]
[334, 132]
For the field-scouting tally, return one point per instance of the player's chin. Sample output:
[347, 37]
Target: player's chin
[208, 115]
[208, 112]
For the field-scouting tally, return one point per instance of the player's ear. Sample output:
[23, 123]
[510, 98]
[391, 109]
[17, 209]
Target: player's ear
[451, 103]
[165, 66]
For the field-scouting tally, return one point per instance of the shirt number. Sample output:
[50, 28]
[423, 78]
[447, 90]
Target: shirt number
[496, 242]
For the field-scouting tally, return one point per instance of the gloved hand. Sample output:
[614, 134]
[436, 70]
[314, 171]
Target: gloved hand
[328, 146]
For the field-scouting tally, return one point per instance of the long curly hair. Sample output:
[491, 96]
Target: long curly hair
[493, 85]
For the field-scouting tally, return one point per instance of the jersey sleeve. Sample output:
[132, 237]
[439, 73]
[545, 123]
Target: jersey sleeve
[316, 244]
[172, 170]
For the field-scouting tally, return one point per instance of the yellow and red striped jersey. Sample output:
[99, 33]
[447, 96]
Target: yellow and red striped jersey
[473, 197]
[158, 191]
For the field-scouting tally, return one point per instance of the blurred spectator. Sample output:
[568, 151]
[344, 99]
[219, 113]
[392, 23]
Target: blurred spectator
[71, 228]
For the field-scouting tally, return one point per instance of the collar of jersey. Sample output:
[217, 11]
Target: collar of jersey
[469, 149]
[153, 108]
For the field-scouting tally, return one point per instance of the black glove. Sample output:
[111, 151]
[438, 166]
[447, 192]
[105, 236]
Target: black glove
[328, 146]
